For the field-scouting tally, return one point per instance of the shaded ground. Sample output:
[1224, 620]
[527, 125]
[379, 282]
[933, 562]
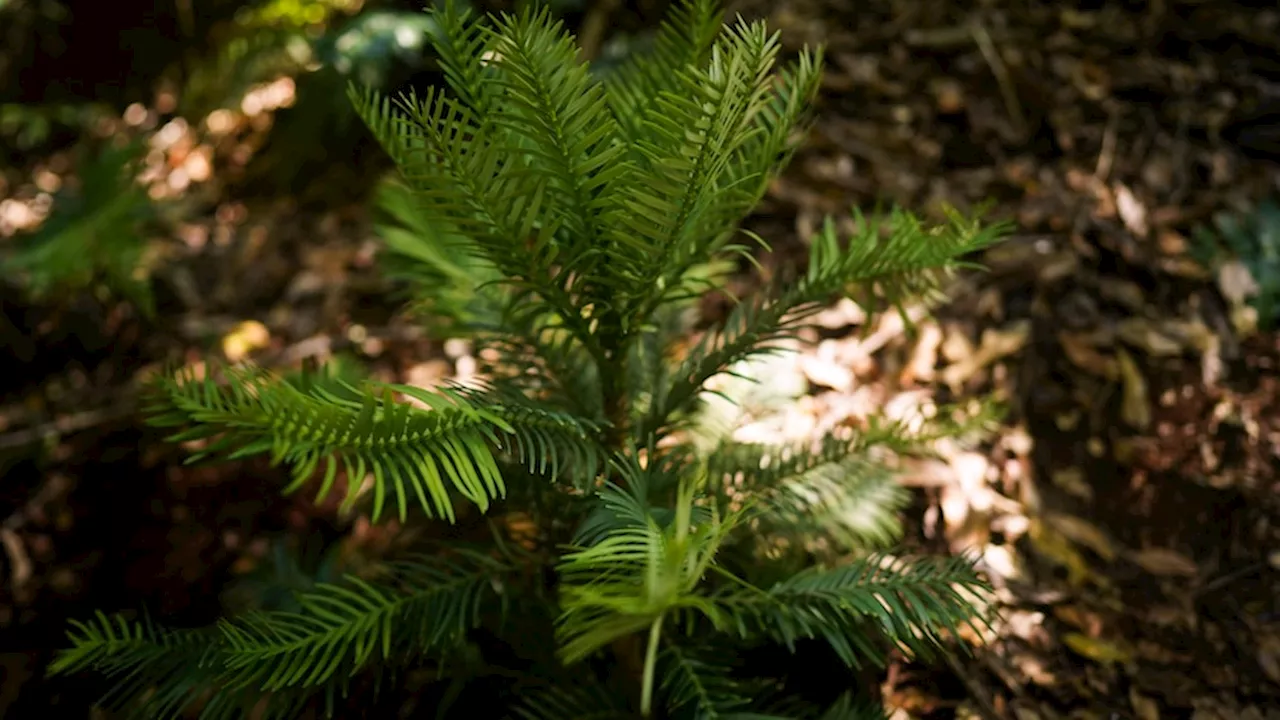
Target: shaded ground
[1127, 508]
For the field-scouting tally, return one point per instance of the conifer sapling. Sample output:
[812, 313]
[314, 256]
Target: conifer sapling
[594, 211]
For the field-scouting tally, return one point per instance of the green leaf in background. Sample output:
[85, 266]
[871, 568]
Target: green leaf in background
[93, 234]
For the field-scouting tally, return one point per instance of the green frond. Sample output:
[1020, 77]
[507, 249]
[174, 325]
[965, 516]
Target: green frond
[698, 687]
[557, 114]
[833, 492]
[448, 281]
[781, 125]
[465, 176]
[408, 450]
[649, 366]
[549, 442]
[462, 47]
[537, 355]
[157, 672]
[836, 489]
[753, 329]
[419, 606]
[910, 603]
[635, 576]
[640, 496]
[683, 39]
[888, 261]
[468, 175]
[675, 217]
[895, 259]
[424, 605]
[742, 174]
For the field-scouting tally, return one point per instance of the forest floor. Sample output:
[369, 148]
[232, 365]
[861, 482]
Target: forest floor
[1127, 508]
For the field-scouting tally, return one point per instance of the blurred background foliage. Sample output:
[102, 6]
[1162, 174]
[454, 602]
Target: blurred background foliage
[219, 100]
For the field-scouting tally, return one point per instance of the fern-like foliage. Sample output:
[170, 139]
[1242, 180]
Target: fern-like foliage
[448, 287]
[411, 453]
[94, 234]
[567, 222]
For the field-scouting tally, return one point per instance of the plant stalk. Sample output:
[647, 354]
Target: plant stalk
[650, 665]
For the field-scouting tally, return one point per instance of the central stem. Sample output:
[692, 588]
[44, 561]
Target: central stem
[650, 665]
[613, 381]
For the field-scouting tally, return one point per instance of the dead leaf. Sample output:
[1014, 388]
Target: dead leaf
[1083, 355]
[1132, 212]
[1096, 649]
[1211, 365]
[1123, 292]
[1171, 243]
[1170, 616]
[843, 314]
[19, 560]
[1142, 334]
[246, 337]
[1082, 532]
[1165, 562]
[1144, 707]
[1236, 283]
[1135, 406]
[1054, 546]
[924, 358]
[949, 96]
[1087, 621]
[1191, 334]
[996, 344]
[956, 346]
[826, 372]
[1022, 712]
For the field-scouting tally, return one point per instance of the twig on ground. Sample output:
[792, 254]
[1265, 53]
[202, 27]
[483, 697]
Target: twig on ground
[942, 38]
[68, 424]
[19, 562]
[1107, 155]
[989, 53]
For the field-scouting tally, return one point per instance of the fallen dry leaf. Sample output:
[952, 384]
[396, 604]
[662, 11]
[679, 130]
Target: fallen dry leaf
[1083, 532]
[1135, 406]
[827, 373]
[246, 337]
[1097, 649]
[1236, 283]
[1080, 351]
[1165, 562]
[1054, 546]
[1087, 621]
[1142, 334]
[1123, 292]
[996, 344]
[1132, 212]
[1144, 707]
[925, 355]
